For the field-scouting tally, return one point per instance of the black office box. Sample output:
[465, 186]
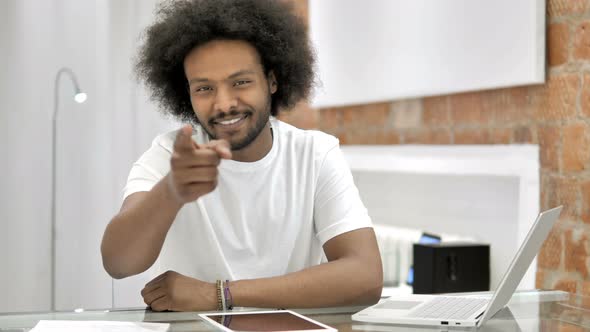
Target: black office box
[451, 267]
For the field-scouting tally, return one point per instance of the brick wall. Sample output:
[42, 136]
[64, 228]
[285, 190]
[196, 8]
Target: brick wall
[555, 115]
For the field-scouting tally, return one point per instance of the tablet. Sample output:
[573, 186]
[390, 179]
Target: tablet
[275, 320]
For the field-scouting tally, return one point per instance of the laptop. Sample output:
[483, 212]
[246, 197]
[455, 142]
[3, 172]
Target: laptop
[440, 310]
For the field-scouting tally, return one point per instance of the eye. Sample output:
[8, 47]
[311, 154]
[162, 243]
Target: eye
[242, 82]
[202, 89]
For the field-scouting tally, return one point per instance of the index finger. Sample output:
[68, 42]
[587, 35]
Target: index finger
[222, 148]
[184, 141]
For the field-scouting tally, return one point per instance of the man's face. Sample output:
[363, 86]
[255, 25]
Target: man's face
[229, 91]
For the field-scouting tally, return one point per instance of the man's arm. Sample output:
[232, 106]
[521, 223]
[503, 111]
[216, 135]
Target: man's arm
[133, 239]
[353, 275]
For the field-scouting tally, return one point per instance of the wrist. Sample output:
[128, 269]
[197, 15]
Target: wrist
[212, 296]
[242, 294]
[169, 195]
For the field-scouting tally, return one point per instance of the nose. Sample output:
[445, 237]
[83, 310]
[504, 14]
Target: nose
[225, 100]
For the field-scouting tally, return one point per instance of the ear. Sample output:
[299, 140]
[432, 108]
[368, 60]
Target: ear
[272, 82]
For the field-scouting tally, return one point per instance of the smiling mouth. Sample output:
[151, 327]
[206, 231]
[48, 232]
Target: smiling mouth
[230, 123]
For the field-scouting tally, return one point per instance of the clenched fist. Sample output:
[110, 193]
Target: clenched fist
[176, 292]
[193, 167]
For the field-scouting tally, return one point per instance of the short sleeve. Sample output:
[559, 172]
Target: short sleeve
[338, 207]
[150, 168]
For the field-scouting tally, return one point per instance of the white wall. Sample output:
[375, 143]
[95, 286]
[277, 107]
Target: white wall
[380, 50]
[97, 143]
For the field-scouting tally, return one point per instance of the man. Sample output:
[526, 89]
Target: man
[242, 196]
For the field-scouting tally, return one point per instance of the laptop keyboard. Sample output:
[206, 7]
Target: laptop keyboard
[450, 307]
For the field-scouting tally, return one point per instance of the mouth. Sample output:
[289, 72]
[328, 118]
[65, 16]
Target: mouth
[231, 123]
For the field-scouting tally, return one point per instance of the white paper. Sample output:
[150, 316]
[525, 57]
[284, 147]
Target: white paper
[98, 326]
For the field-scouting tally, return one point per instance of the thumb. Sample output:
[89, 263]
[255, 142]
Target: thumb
[222, 148]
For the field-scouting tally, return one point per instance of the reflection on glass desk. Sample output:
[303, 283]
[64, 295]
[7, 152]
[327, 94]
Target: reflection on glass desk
[526, 311]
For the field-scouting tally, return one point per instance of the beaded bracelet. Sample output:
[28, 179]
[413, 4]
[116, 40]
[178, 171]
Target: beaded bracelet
[223, 306]
[219, 296]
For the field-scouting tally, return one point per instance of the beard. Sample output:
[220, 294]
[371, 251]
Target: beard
[260, 119]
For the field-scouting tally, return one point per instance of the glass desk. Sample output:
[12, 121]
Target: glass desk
[526, 311]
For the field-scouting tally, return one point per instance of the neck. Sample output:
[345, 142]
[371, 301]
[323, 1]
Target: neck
[256, 150]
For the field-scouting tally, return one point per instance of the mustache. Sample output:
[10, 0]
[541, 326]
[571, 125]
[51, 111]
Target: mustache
[232, 114]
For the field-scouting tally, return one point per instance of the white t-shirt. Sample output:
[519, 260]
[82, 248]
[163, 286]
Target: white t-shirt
[265, 218]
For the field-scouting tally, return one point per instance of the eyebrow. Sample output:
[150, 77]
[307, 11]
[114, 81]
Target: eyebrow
[234, 75]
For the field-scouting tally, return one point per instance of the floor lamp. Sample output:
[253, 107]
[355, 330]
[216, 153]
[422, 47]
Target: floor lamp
[79, 97]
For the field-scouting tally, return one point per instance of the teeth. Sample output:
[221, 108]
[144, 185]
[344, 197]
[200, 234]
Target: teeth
[229, 122]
